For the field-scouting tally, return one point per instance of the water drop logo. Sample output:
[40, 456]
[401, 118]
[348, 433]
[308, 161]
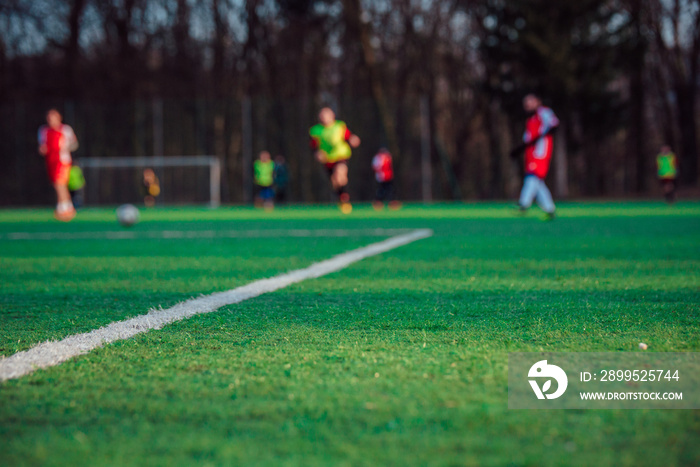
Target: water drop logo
[542, 370]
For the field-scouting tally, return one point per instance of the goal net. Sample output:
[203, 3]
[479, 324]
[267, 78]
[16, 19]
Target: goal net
[181, 179]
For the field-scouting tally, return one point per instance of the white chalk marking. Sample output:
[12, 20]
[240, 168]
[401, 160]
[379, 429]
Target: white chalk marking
[194, 234]
[53, 353]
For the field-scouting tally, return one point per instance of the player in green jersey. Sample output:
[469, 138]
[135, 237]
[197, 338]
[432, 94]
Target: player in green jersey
[263, 168]
[667, 172]
[333, 143]
[76, 183]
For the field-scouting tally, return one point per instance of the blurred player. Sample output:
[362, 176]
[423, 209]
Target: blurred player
[264, 169]
[667, 171]
[333, 142]
[76, 183]
[537, 143]
[281, 178]
[151, 186]
[56, 142]
[384, 174]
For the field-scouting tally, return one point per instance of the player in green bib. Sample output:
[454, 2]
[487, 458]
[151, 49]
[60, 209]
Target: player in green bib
[667, 171]
[76, 183]
[263, 169]
[333, 143]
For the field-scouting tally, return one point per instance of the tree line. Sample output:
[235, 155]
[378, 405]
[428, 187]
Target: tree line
[620, 74]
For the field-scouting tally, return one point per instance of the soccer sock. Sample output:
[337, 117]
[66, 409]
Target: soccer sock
[64, 206]
[342, 195]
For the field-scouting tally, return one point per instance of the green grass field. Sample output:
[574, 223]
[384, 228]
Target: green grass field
[398, 359]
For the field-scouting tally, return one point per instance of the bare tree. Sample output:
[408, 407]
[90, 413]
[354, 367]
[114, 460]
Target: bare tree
[77, 8]
[360, 28]
[675, 26]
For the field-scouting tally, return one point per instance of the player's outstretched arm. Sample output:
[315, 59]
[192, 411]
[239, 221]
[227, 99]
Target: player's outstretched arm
[320, 155]
[354, 141]
[515, 152]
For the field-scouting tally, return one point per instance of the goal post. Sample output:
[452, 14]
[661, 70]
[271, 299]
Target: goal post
[92, 166]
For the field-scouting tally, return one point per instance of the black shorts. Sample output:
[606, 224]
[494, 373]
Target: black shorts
[265, 192]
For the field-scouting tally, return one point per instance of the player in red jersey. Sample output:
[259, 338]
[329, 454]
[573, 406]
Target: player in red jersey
[56, 142]
[537, 143]
[384, 174]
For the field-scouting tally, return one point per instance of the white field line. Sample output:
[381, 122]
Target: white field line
[53, 353]
[163, 234]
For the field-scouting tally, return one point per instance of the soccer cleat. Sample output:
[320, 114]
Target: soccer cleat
[346, 208]
[378, 205]
[64, 216]
[548, 216]
[394, 205]
[520, 211]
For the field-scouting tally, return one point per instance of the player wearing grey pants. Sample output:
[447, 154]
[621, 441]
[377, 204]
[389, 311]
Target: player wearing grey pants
[534, 188]
[537, 144]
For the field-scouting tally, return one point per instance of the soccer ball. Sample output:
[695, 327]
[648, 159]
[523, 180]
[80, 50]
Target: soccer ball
[127, 215]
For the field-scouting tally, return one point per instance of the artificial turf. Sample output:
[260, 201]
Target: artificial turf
[399, 359]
